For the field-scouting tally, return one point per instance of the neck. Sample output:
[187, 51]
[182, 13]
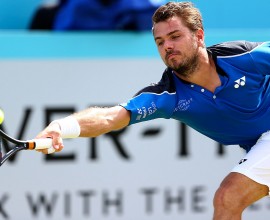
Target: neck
[204, 75]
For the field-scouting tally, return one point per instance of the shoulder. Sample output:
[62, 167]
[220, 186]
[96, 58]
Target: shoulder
[166, 84]
[232, 48]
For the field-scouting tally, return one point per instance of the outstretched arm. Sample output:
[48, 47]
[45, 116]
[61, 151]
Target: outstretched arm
[96, 121]
[90, 122]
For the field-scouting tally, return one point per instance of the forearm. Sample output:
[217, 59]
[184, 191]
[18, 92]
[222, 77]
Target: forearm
[88, 123]
[97, 120]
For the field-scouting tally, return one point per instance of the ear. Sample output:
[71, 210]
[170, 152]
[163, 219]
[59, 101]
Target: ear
[200, 37]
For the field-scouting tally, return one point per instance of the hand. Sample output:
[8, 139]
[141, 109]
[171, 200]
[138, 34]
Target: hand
[52, 131]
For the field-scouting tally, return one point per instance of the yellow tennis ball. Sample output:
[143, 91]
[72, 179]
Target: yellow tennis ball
[2, 116]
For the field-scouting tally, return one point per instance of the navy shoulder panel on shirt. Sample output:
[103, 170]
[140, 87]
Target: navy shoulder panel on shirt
[166, 84]
[232, 48]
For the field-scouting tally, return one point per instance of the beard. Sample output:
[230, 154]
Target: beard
[188, 65]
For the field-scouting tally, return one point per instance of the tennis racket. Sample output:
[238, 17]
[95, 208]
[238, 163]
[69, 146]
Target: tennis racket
[18, 145]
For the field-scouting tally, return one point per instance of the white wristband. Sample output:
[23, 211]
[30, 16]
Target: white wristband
[69, 126]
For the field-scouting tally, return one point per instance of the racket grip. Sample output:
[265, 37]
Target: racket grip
[44, 143]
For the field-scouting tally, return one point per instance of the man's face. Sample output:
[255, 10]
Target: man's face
[177, 45]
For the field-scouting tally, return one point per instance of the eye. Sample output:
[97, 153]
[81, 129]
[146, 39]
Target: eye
[175, 36]
[160, 43]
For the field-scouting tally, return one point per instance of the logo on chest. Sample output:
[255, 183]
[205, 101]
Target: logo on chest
[240, 82]
[183, 105]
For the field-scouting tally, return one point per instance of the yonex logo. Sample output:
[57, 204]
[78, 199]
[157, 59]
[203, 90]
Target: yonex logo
[240, 82]
[242, 161]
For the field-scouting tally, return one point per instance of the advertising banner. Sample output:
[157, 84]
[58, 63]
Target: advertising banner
[155, 170]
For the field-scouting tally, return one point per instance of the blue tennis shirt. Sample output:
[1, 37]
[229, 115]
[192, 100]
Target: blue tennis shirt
[236, 113]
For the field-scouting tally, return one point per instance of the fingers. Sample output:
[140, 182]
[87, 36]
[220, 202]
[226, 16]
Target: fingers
[52, 131]
[47, 151]
[58, 144]
[52, 149]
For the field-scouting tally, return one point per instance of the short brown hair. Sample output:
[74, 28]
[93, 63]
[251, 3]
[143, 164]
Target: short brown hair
[189, 14]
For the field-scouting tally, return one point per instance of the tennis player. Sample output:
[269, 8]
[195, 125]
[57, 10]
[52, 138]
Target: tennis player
[222, 91]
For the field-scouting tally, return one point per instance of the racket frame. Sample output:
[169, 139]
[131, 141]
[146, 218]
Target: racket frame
[19, 145]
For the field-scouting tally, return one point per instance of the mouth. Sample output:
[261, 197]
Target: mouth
[171, 55]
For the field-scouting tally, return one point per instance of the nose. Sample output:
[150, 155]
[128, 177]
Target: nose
[168, 46]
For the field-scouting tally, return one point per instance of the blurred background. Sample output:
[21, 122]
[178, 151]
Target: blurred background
[57, 57]
[217, 14]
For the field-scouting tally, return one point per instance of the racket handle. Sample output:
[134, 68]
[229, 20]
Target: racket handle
[43, 143]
